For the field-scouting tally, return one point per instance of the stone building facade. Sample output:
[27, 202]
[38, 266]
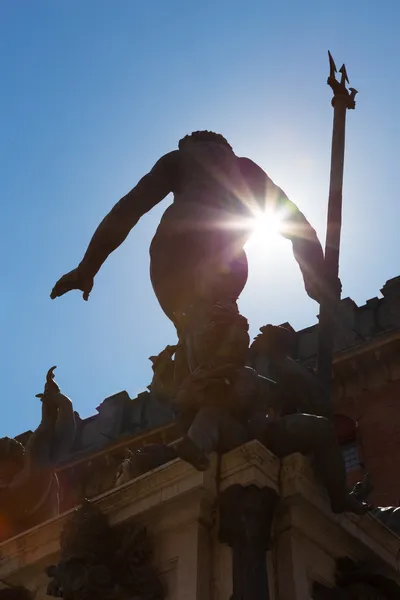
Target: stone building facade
[196, 523]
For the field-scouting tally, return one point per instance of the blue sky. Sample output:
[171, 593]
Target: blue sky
[94, 92]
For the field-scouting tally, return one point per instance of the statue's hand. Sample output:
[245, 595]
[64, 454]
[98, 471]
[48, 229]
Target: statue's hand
[78, 279]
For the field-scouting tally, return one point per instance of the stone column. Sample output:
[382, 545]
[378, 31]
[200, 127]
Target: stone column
[246, 515]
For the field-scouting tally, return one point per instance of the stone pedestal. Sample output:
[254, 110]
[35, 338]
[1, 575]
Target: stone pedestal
[271, 511]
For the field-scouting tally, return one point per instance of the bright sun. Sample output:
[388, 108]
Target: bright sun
[266, 230]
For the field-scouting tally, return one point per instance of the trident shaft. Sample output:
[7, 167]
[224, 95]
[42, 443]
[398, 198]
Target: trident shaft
[343, 99]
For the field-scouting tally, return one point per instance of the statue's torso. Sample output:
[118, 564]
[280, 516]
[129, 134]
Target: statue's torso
[198, 249]
[209, 194]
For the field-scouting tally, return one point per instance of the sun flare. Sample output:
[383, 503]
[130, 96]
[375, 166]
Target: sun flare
[266, 229]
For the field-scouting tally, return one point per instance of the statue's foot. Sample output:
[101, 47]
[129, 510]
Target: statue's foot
[188, 451]
[350, 504]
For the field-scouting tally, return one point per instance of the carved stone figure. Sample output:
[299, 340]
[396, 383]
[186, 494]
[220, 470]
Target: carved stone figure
[101, 562]
[28, 484]
[388, 515]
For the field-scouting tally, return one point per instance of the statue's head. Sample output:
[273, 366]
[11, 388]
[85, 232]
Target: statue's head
[203, 137]
[12, 456]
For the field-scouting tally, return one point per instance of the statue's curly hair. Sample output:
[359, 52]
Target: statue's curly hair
[12, 451]
[203, 136]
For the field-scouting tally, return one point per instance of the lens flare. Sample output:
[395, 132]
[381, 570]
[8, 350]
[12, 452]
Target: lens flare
[266, 226]
[267, 223]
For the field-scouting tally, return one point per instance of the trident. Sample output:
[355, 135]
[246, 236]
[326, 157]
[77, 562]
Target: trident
[343, 99]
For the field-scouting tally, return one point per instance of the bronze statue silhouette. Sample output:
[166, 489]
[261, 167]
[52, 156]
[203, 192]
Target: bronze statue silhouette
[197, 254]
[28, 483]
[198, 270]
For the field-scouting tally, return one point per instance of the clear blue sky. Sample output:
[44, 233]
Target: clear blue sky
[95, 91]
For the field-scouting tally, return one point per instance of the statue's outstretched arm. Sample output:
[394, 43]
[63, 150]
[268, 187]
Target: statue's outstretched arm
[307, 249]
[115, 227]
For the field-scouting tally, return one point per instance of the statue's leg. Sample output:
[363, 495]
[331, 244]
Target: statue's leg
[310, 434]
[198, 287]
[190, 275]
[212, 430]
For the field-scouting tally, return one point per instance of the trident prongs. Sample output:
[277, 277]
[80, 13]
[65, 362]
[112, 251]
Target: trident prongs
[344, 78]
[332, 66]
[339, 87]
